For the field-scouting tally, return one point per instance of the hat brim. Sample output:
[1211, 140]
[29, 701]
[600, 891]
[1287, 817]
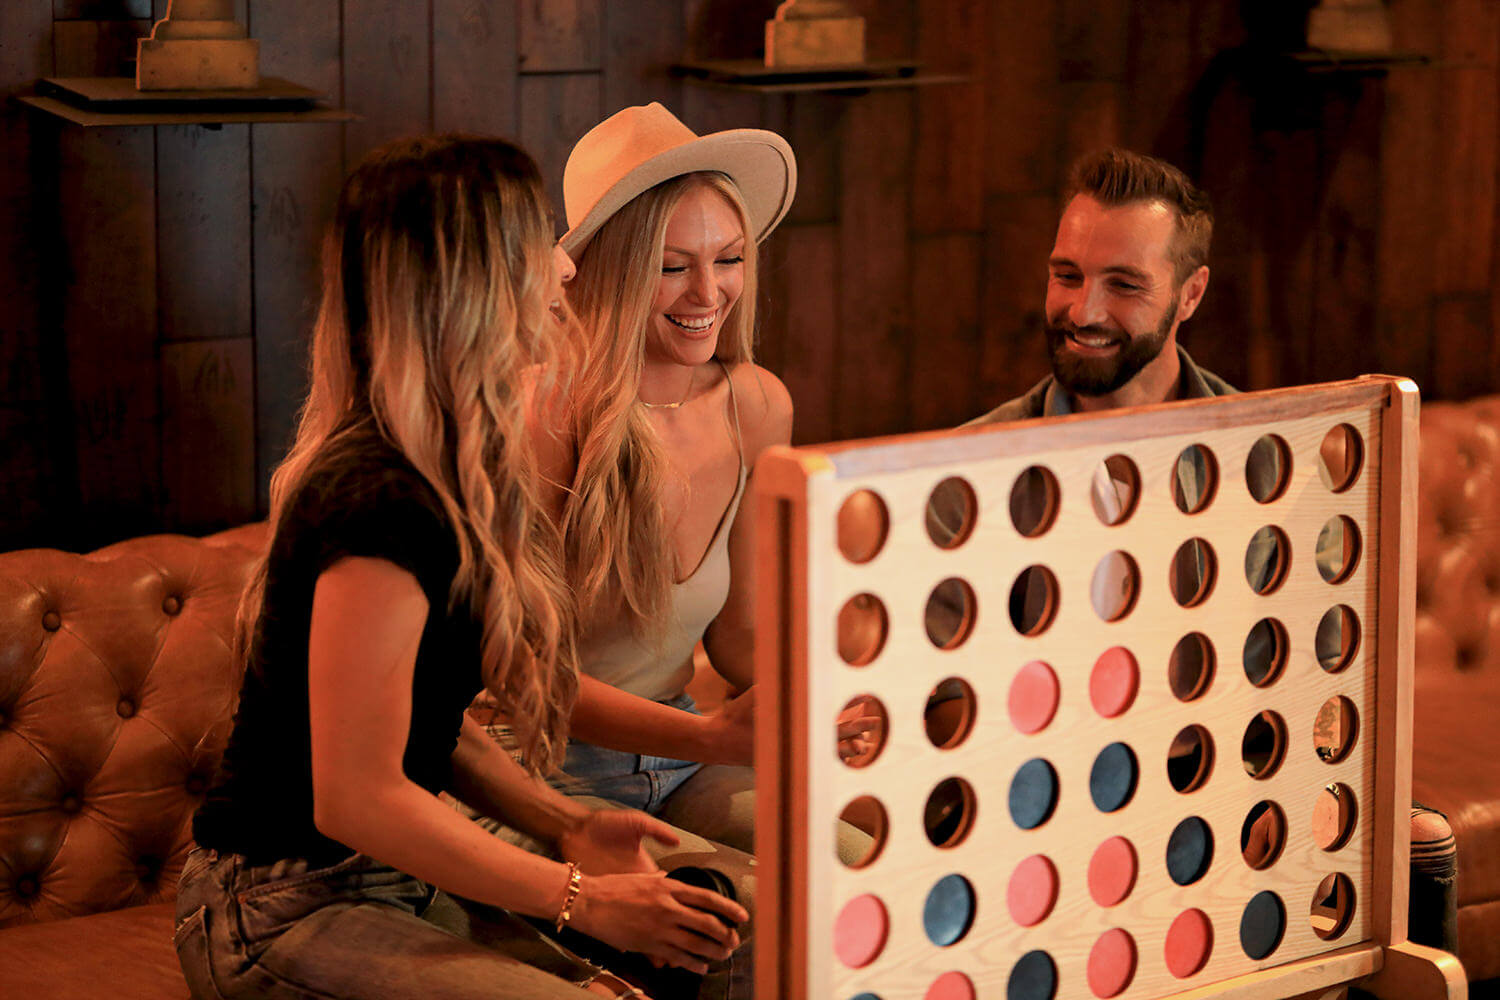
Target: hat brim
[760, 163]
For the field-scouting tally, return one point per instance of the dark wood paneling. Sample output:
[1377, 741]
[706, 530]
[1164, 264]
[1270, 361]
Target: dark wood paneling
[34, 444]
[947, 352]
[561, 36]
[1089, 36]
[555, 112]
[296, 171]
[203, 232]
[102, 9]
[637, 53]
[808, 282]
[813, 131]
[474, 66]
[208, 434]
[948, 167]
[875, 336]
[387, 62]
[1020, 78]
[108, 319]
[241, 10]
[1019, 231]
[1343, 306]
[1463, 349]
[96, 48]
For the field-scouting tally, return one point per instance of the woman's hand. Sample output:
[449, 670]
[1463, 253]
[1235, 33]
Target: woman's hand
[732, 731]
[611, 842]
[663, 919]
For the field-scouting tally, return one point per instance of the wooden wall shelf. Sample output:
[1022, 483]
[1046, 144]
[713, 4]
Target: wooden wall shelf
[854, 78]
[108, 100]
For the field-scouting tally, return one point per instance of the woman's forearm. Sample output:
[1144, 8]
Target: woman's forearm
[402, 825]
[608, 717]
[489, 780]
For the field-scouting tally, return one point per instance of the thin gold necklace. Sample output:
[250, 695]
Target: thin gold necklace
[672, 406]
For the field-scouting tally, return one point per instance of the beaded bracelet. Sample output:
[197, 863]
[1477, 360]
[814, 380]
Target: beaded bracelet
[575, 882]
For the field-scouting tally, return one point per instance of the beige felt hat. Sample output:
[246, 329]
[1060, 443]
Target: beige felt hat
[635, 149]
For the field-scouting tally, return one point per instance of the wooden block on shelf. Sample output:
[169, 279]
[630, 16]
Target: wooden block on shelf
[197, 64]
[1349, 27]
[817, 41]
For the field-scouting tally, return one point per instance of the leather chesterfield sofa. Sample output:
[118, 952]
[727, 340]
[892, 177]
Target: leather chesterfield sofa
[116, 678]
[116, 675]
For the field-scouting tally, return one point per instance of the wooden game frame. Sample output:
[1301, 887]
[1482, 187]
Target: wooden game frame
[801, 783]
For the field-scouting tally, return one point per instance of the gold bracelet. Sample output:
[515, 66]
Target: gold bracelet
[575, 882]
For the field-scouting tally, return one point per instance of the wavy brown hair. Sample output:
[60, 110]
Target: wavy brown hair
[435, 319]
[619, 552]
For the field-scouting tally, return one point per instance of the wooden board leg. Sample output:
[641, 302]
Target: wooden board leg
[1417, 972]
[1336, 993]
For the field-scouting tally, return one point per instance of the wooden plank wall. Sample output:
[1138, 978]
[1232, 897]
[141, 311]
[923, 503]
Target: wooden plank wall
[159, 283]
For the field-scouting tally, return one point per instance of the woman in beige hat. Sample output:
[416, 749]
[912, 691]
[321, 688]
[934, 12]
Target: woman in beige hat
[669, 414]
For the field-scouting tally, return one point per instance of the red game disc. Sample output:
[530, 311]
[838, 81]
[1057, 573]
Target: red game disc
[1114, 681]
[860, 930]
[951, 986]
[1111, 963]
[1032, 890]
[1112, 871]
[1033, 697]
[1189, 941]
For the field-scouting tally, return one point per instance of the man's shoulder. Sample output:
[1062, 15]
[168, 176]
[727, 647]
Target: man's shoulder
[1024, 407]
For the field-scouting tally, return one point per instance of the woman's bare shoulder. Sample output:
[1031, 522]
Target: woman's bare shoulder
[765, 408]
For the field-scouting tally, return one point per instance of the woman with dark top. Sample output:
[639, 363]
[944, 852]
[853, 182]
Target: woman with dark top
[416, 558]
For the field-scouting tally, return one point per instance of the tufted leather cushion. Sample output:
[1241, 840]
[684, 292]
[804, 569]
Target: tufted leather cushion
[116, 682]
[1456, 754]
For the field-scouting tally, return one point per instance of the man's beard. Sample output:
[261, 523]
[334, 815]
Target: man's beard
[1086, 376]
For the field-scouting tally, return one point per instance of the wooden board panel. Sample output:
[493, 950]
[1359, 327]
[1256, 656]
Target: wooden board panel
[1091, 113]
[474, 66]
[108, 319]
[208, 434]
[806, 683]
[203, 232]
[387, 66]
[560, 36]
[96, 48]
[875, 333]
[810, 307]
[296, 171]
[555, 112]
[945, 294]
[638, 49]
[1019, 232]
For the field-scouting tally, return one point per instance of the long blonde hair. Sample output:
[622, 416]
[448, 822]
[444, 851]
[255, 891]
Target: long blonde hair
[617, 542]
[437, 278]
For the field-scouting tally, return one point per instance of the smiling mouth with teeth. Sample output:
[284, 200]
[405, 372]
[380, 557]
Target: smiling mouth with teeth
[1096, 341]
[693, 324]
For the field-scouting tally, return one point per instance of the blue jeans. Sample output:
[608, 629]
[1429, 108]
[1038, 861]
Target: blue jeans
[356, 930]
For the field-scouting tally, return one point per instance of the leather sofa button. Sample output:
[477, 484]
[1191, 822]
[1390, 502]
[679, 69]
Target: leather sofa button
[171, 604]
[70, 804]
[196, 785]
[52, 621]
[145, 871]
[27, 887]
[126, 708]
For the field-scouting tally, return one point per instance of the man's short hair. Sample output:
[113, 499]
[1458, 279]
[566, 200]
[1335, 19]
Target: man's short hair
[1115, 177]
